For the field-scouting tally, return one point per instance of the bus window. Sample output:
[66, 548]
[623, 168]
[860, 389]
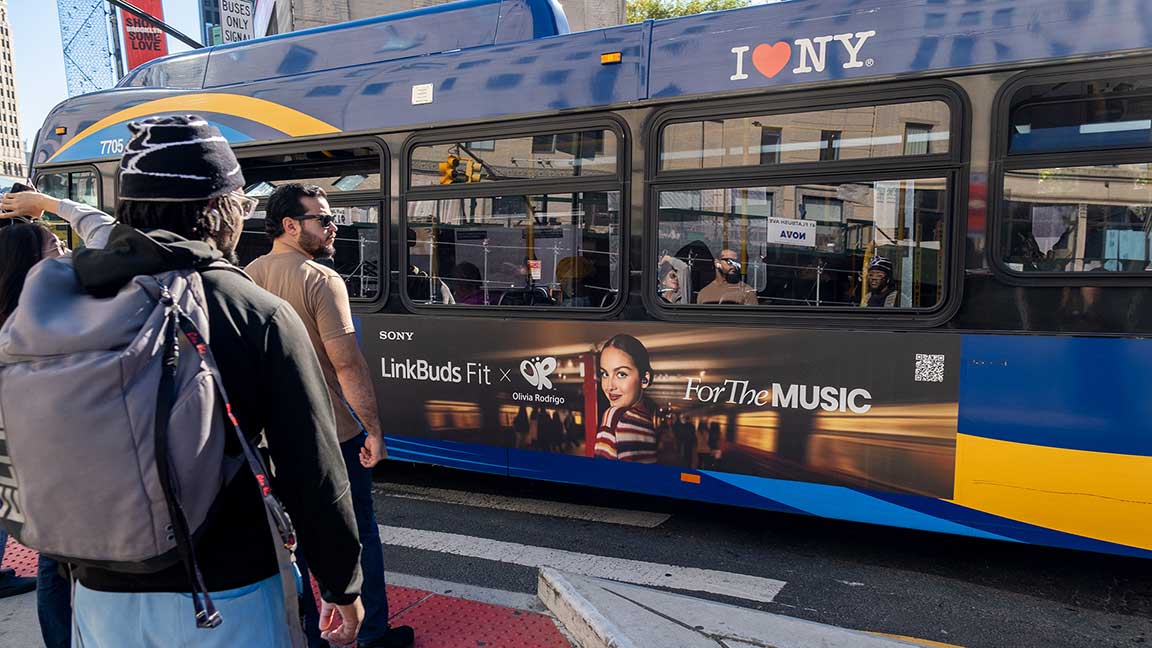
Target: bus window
[1081, 116]
[853, 244]
[77, 186]
[884, 131]
[1079, 218]
[549, 249]
[552, 155]
[351, 178]
[1088, 212]
[336, 171]
[54, 184]
[83, 189]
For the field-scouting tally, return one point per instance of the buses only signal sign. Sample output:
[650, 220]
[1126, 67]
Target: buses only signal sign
[236, 22]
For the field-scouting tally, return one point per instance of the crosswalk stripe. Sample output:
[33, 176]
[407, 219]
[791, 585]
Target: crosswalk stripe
[524, 505]
[693, 579]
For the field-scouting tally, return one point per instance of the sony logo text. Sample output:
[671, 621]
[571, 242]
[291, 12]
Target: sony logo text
[770, 59]
[396, 336]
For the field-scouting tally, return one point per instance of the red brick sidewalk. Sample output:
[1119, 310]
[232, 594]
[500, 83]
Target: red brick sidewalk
[440, 621]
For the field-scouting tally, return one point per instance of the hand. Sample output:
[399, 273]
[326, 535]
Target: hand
[373, 450]
[30, 204]
[351, 616]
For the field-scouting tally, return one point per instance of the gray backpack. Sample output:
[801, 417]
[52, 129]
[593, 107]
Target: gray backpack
[113, 419]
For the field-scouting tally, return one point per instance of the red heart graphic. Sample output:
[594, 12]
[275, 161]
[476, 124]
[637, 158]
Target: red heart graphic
[770, 59]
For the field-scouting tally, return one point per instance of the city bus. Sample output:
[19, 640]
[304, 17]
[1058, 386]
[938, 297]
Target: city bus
[885, 261]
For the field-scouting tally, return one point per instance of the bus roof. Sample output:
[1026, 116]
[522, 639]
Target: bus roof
[428, 30]
[484, 59]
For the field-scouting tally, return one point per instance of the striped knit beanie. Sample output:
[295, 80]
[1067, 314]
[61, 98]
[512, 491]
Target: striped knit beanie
[882, 264]
[177, 159]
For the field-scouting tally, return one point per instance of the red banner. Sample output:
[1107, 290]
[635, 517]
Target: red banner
[143, 41]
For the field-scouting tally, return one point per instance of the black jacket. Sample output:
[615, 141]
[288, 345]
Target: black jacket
[274, 381]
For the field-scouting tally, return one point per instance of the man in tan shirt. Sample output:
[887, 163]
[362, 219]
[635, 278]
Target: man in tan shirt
[302, 229]
[727, 287]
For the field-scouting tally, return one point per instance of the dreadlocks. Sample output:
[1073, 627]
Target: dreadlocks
[190, 220]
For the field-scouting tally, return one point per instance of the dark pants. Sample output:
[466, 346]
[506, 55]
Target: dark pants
[53, 604]
[373, 593]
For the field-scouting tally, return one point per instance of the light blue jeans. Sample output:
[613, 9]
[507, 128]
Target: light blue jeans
[252, 616]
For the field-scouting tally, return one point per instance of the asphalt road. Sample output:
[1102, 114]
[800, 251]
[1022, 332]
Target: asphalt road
[953, 590]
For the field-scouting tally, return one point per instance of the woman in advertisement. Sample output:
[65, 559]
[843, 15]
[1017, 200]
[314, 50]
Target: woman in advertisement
[627, 431]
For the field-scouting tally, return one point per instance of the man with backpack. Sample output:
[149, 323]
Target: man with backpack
[130, 380]
[303, 229]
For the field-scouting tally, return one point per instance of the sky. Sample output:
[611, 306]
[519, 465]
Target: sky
[39, 63]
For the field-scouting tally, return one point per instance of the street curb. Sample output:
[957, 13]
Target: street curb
[599, 613]
[587, 627]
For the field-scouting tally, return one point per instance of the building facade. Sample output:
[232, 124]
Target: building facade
[12, 160]
[209, 21]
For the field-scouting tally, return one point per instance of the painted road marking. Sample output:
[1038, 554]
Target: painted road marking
[638, 572]
[525, 505]
[927, 643]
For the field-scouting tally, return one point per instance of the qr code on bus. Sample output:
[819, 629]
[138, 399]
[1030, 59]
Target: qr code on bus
[929, 367]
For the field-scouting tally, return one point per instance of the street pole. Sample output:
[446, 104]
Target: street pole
[116, 53]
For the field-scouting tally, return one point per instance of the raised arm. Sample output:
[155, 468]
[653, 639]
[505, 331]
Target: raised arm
[93, 225]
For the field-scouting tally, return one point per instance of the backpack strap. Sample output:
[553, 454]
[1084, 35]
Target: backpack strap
[220, 264]
[278, 520]
[207, 616]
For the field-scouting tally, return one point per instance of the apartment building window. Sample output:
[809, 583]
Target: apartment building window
[829, 145]
[770, 139]
[917, 138]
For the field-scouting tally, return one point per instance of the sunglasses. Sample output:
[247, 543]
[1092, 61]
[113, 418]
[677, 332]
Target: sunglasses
[247, 205]
[732, 262]
[326, 220]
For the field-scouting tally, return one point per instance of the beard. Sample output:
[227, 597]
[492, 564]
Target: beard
[732, 277]
[317, 246]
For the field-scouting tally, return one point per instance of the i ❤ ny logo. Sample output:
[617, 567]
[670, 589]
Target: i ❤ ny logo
[811, 54]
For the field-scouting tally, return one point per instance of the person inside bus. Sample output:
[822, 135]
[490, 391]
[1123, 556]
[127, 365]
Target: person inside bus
[467, 284]
[627, 431]
[675, 283]
[573, 273]
[419, 283]
[882, 292]
[701, 267]
[23, 245]
[728, 287]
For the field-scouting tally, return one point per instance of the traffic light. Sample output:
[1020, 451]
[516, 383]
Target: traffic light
[448, 170]
[455, 170]
[471, 171]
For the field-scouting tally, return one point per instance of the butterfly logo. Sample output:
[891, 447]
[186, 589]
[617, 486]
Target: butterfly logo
[536, 372]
